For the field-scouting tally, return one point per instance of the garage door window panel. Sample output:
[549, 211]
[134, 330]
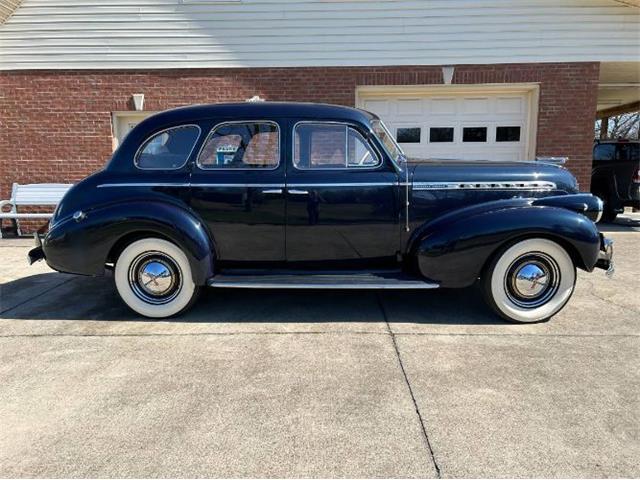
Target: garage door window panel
[474, 134]
[441, 134]
[508, 134]
[408, 135]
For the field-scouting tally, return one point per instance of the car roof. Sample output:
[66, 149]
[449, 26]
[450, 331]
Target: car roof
[262, 111]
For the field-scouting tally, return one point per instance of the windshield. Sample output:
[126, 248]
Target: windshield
[393, 149]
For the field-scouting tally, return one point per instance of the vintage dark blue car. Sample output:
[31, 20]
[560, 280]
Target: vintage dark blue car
[294, 195]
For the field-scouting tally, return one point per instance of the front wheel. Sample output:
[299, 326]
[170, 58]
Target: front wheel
[529, 281]
[153, 277]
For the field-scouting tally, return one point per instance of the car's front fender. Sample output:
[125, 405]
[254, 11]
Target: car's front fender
[453, 250]
[83, 246]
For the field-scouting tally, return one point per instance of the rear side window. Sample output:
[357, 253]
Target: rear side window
[242, 145]
[604, 151]
[168, 149]
[331, 146]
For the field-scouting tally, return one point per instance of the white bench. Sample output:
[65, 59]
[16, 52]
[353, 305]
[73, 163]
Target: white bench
[35, 194]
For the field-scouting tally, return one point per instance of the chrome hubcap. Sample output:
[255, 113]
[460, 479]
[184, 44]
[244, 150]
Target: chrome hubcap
[532, 280]
[155, 278]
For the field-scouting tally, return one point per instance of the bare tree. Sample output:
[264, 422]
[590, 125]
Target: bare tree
[626, 125]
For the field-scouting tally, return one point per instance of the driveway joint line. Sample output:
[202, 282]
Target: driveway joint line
[406, 380]
[609, 301]
[544, 335]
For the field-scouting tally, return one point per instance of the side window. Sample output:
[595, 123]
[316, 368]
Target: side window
[169, 149]
[241, 145]
[604, 151]
[324, 145]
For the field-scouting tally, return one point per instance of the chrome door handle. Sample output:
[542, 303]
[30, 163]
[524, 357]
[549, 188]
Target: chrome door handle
[274, 191]
[293, 191]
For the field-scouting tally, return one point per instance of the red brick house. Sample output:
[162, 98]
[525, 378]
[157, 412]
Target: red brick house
[69, 71]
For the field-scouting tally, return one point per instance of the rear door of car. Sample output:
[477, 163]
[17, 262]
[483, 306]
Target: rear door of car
[237, 187]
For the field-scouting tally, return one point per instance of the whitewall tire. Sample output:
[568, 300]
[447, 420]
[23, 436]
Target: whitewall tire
[153, 277]
[529, 281]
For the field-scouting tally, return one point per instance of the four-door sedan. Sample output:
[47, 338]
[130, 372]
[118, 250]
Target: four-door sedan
[294, 195]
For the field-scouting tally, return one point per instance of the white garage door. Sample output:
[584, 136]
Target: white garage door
[470, 126]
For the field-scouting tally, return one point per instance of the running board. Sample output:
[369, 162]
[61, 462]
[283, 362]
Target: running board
[320, 280]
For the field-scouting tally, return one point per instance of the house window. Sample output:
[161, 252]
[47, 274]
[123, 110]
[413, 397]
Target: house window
[474, 134]
[441, 134]
[508, 134]
[241, 145]
[408, 135]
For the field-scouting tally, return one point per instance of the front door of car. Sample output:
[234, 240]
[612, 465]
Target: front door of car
[342, 199]
[237, 187]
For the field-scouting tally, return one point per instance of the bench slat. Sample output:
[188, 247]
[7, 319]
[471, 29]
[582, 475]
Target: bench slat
[39, 194]
[26, 215]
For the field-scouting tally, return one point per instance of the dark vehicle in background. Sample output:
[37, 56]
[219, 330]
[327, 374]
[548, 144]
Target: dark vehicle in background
[294, 195]
[615, 177]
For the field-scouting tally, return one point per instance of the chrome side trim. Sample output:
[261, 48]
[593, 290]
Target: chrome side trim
[238, 185]
[139, 184]
[315, 286]
[484, 185]
[197, 185]
[254, 185]
[354, 184]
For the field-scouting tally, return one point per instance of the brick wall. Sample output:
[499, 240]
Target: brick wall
[55, 126]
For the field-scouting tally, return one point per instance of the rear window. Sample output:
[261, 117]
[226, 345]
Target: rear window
[604, 152]
[629, 152]
[168, 149]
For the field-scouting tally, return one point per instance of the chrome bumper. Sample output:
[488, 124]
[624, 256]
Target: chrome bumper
[605, 256]
[36, 254]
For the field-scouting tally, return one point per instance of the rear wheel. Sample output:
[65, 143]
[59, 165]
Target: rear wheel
[153, 277]
[529, 281]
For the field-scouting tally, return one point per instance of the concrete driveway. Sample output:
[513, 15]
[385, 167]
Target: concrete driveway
[317, 384]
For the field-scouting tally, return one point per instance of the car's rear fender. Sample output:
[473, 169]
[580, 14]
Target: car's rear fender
[453, 249]
[85, 246]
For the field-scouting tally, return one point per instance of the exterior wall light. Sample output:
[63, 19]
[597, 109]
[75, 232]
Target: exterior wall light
[447, 74]
[138, 101]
